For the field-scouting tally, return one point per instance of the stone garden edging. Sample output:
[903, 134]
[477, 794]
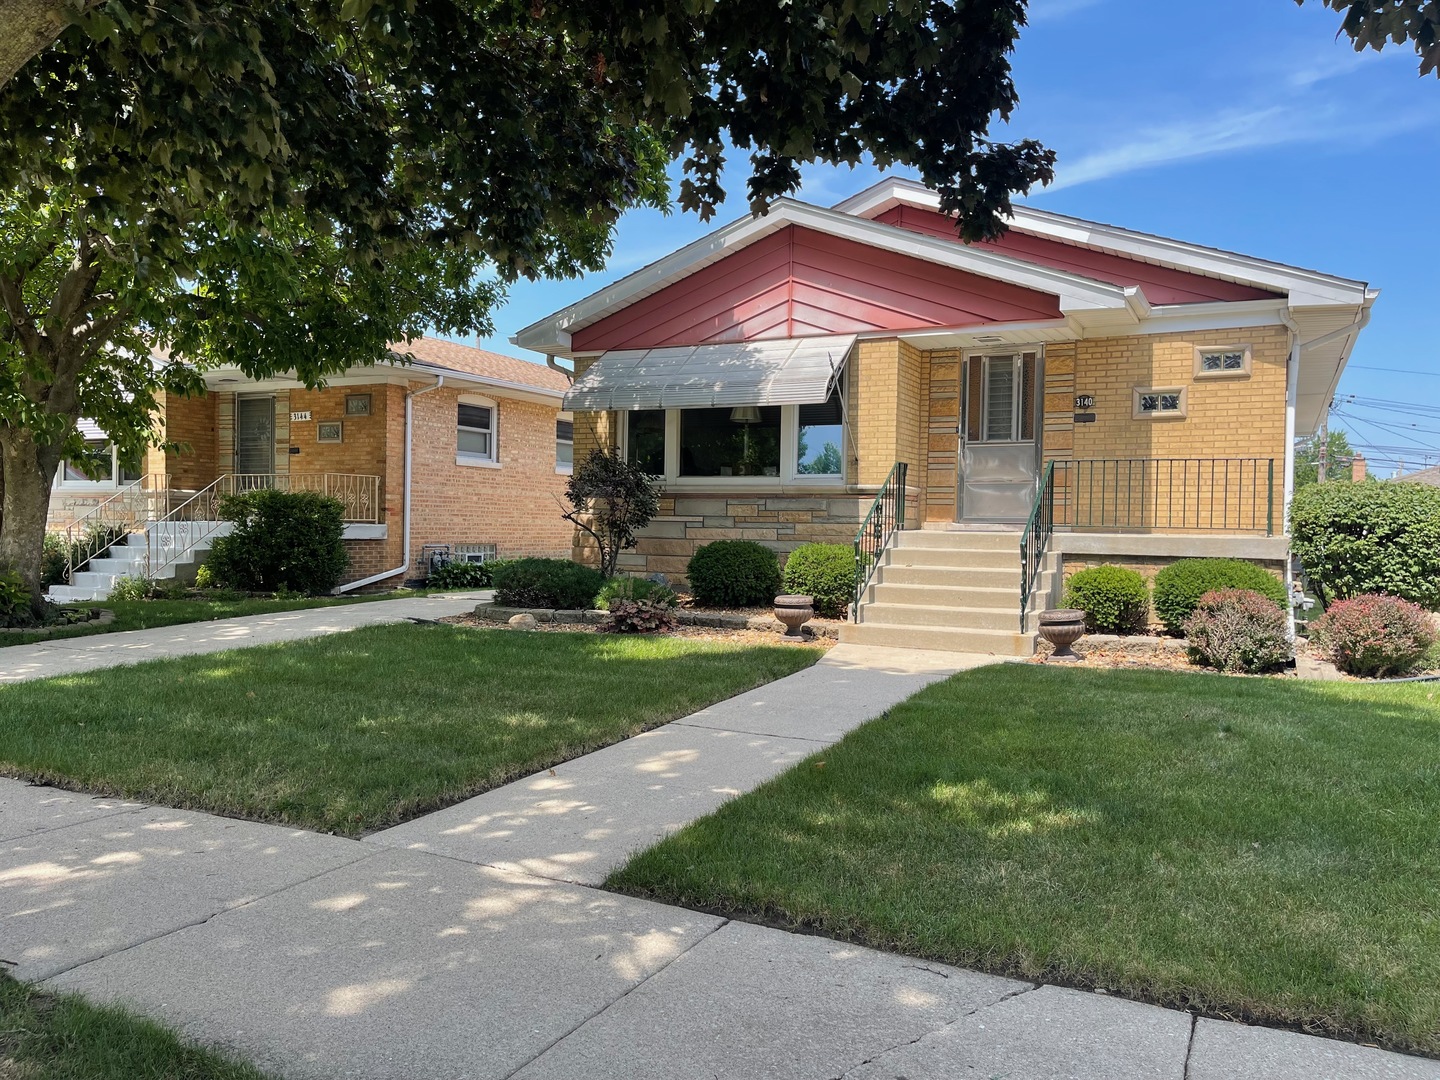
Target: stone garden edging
[1136, 645]
[102, 618]
[719, 620]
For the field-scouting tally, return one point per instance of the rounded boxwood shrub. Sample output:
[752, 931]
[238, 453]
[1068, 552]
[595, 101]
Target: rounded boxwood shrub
[1374, 635]
[1370, 538]
[1115, 600]
[1238, 630]
[290, 540]
[1179, 586]
[545, 583]
[734, 573]
[632, 588]
[826, 572]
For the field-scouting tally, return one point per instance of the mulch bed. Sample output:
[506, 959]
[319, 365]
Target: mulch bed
[700, 633]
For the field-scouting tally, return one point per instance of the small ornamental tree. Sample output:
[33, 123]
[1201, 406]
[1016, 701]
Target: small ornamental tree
[611, 499]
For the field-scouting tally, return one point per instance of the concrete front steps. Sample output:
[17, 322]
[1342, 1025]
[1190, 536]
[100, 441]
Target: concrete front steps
[127, 559]
[951, 592]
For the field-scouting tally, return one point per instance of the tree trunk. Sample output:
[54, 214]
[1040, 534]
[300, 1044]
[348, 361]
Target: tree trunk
[25, 506]
[29, 27]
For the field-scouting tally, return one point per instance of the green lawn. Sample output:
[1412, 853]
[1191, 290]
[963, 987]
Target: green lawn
[1259, 849]
[353, 732]
[60, 1037]
[147, 614]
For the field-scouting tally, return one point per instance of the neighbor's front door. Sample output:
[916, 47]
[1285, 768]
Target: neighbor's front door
[998, 460]
[255, 437]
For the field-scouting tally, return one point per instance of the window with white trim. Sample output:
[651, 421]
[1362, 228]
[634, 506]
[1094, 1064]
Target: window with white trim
[645, 439]
[109, 469]
[565, 443]
[820, 439]
[476, 440]
[1233, 360]
[1152, 403]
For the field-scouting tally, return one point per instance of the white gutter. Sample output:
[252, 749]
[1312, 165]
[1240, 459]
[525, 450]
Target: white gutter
[1292, 392]
[409, 455]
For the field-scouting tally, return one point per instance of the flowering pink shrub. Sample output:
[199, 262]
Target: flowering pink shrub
[1374, 635]
[1238, 630]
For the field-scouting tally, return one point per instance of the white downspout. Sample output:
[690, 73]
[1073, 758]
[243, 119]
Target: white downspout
[1292, 391]
[409, 455]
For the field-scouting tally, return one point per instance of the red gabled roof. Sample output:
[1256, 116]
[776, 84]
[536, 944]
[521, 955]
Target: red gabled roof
[1161, 284]
[798, 282]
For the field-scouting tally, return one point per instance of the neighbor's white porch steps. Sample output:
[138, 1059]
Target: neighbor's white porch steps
[127, 558]
[951, 592]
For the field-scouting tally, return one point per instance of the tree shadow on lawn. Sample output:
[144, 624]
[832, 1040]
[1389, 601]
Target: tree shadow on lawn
[1247, 848]
[358, 731]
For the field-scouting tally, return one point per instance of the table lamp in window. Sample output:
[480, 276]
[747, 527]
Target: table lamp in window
[745, 415]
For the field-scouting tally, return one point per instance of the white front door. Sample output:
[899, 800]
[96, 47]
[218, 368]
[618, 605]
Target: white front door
[998, 461]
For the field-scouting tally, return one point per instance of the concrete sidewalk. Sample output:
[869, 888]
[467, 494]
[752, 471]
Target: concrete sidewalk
[459, 947]
[71, 656]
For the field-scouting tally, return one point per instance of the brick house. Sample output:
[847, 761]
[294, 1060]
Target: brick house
[1069, 394]
[459, 450]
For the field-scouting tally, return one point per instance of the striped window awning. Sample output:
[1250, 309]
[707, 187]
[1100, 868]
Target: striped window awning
[785, 371]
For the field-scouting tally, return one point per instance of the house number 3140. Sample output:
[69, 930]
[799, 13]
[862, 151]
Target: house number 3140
[1084, 402]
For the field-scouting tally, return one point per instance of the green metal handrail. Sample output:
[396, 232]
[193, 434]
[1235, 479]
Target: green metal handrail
[1036, 538]
[887, 514]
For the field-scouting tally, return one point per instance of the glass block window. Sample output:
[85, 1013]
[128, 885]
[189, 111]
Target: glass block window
[1227, 361]
[1153, 403]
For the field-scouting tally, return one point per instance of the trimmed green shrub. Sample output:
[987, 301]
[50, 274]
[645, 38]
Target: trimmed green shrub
[648, 616]
[281, 540]
[734, 573]
[826, 572]
[545, 583]
[53, 556]
[459, 574]
[1115, 600]
[15, 607]
[1374, 636]
[1238, 630]
[1358, 539]
[1179, 586]
[632, 588]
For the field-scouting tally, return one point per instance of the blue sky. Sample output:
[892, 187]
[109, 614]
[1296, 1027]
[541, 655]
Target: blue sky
[1244, 124]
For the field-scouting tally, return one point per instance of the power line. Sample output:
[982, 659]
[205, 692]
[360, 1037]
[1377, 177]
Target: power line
[1395, 370]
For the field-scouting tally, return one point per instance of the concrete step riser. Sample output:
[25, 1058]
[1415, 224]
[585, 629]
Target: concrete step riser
[949, 541]
[954, 618]
[957, 559]
[932, 596]
[940, 639]
[950, 576]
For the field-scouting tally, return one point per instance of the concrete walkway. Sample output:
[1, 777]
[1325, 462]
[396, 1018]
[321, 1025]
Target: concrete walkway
[72, 656]
[461, 946]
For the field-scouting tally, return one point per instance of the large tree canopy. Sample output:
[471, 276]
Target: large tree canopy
[289, 185]
[1372, 24]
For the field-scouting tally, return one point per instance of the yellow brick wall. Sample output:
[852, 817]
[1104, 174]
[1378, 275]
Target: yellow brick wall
[942, 443]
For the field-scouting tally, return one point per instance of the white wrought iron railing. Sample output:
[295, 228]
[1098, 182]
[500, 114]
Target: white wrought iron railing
[359, 494]
[110, 522]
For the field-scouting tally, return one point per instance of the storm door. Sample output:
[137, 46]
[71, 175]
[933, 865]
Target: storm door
[999, 461]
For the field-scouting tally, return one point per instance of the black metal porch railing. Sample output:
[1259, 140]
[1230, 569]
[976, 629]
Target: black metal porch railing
[1036, 538]
[887, 513]
[1174, 494]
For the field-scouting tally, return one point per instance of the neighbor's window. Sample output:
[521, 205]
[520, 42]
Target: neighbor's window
[564, 445]
[1227, 361]
[821, 437]
[645, 440]
[1153, 404]
[739, 441]
[475, 434]
[104, 469]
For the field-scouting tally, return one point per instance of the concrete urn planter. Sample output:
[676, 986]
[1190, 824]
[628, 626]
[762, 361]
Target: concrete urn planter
[1062, 627]
[794, 612]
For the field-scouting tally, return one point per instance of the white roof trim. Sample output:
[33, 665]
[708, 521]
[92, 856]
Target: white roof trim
[1075, 293]
[1304, 287]
[783, 371]
[233, 380]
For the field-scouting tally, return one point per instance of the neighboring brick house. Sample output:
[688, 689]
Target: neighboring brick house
[1090, 393]
[490, 451]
